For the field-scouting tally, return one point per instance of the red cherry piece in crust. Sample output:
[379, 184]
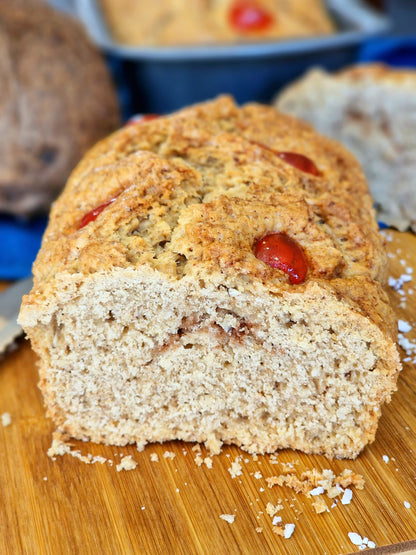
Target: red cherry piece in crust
[141, 118]
[148, 117]
[299, 161]
[248, 16]
[280, 251]
[92, 214]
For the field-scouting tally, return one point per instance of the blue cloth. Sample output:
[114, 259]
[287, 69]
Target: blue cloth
[399, 52]
[20, 239]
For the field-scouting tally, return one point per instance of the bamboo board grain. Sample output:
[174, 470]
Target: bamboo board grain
[173, 506]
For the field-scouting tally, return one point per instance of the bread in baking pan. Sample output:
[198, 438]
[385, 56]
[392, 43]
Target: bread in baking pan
[159, 311]
[180, 22]
[56, 101]
[372, 110]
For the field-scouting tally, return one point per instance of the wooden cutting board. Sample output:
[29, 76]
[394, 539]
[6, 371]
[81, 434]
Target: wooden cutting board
[170, 504]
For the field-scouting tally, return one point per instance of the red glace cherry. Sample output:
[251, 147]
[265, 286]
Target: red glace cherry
[280, 251]
[299, 161]
[141, 118]
[248, 16]
[92, 214]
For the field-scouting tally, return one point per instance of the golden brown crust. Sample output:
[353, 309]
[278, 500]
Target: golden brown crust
[176, 181]
[166, 272]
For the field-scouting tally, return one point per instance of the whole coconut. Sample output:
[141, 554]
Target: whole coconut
[56, 100]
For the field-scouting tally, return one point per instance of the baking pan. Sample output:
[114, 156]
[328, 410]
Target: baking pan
[162, 79]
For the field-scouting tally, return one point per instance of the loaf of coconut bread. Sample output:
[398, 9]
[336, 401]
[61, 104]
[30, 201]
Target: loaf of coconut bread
[371, 108]
[180, 22]
[216, 276]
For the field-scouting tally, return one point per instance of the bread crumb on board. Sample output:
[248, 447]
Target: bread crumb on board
[235, 469]
[60, 446]
[285, 531]
[208, 462]
[320, 506]
[313, 483]
[317, 485]
[126, 463]
[6, 419]
[311, 479]
[198, 459]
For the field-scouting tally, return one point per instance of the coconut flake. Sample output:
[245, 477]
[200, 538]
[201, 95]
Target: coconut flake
[289, 529]
[317, 491]
[346, 498]
[404, 326]
[228, 518]
[355, 538]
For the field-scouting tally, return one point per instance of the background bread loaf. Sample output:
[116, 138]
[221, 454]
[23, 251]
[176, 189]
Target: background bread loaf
[372, 110]
[167, 22]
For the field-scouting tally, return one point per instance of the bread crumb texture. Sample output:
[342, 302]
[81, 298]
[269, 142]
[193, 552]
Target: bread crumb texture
[155, 321]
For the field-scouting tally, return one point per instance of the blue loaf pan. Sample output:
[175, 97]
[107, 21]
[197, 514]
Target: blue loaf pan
[163, 79]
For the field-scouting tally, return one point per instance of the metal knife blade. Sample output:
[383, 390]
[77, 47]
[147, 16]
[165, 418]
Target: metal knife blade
[10, 301]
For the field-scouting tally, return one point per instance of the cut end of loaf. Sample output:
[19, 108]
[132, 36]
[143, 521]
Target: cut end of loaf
[137, 357]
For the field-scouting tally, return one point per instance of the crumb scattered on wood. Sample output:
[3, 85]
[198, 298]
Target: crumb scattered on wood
[271, 509]
[320, 506]
[314, 483]
[126, 463]
[6, 419]
[235, 469]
